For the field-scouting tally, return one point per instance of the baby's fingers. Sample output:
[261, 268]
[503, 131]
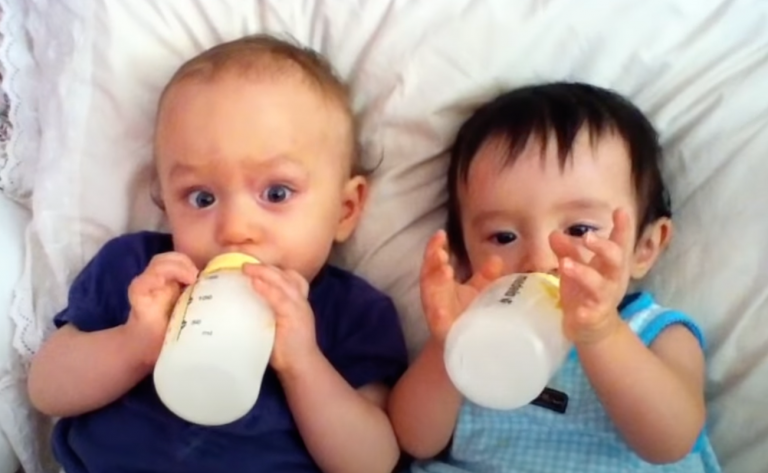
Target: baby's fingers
[586, 280]
[565, 247]
[152, 287]
[299, 282]
[435, 254]
[177, 273]
[279, 296]
[275, 278]
[437, 288]
[608, 255]
[173, 268]
[621, 233]
[436, 274]
[144, 285]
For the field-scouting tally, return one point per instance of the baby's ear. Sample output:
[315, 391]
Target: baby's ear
[354, 196]
[651, 243]
[155, 192]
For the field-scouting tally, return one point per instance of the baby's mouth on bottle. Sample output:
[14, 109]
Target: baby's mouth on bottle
[246, 251]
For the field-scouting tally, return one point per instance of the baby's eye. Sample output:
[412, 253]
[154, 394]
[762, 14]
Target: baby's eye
[277, 194]
[580, 230]
[201, 199]
[503, 238]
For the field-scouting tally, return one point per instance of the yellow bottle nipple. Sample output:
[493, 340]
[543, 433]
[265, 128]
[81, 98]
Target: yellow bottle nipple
[228, 261]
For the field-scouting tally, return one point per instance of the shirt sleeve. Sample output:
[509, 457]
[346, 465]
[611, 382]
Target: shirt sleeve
[98, 298]
[666, 319]
[370, 347]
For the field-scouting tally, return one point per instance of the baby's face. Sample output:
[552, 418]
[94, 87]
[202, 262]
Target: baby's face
[259, 166]
[510, 210]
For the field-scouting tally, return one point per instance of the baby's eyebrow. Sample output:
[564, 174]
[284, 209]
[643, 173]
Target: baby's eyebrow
[180, 170]
[585, 204]
[249, 163]
[277, 162]
[487, 215]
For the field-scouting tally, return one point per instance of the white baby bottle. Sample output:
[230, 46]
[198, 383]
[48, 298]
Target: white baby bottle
[505, 347]
[217, 346]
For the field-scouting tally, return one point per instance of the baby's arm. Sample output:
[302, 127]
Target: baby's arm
[345, 430]
[653, 396]
[77, 372]
[424, 405]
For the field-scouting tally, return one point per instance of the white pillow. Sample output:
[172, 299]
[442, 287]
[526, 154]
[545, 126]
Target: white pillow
[418, 68]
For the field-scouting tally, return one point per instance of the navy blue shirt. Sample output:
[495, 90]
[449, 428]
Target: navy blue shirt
[357, 328]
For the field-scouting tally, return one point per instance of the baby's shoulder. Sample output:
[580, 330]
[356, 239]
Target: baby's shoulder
[98, 296]
[346, 288]
[139, 245]
[124, 257]
[648, 319]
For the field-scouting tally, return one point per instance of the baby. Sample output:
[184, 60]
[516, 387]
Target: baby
[560, 178]
[254, 152]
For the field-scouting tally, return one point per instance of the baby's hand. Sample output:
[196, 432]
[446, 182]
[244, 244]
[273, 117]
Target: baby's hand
[153, 293]
[592, 290]
[286, 293]
[442, 297]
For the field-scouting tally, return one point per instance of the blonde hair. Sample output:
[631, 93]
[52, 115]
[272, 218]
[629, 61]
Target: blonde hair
[268, 54]
[260, 54]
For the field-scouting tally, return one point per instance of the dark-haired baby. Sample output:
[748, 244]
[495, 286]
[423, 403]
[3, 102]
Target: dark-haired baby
[561, 178]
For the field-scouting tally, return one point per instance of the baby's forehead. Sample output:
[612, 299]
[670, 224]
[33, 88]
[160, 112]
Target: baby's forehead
[234, 115]
[259, 59]
[591, 168]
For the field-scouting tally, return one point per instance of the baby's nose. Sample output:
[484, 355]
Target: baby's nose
[237, 227]
[540, 258]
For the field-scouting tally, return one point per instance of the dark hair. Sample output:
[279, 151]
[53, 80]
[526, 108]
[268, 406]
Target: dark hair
[562, 110]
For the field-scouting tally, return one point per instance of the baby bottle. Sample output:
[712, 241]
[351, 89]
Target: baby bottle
[506, 346]
[217, 346]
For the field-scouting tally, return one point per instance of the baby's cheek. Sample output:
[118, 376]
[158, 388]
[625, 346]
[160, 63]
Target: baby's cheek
[479, 255]
[195, 244]
[475, 254]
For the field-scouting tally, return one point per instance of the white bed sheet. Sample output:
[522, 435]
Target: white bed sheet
[699, 69]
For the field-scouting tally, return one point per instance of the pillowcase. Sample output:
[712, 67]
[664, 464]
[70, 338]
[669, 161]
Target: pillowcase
[698, 69]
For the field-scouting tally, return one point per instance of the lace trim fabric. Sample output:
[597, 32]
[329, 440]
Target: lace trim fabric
[52, 25]
[16, 416]
[5, 124]
[62, 31]
[19, 148]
